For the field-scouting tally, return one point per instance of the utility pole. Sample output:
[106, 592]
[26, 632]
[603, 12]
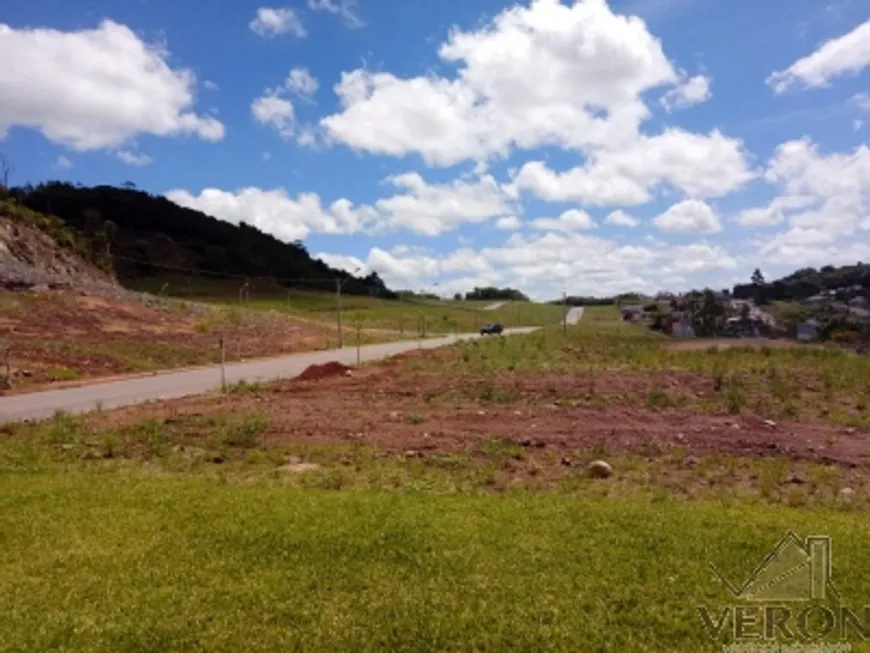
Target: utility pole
[338, 306]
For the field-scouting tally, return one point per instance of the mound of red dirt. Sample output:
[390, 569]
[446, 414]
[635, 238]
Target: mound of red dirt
[315, 372]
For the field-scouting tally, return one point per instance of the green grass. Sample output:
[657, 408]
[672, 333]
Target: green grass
[107, 563]
[183, 532]
[777, 383]
[370, 312]
[62, 374]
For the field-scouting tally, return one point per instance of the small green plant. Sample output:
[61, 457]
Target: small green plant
[658, 400]
[497, 395]
[828, 385]
[415, 418]
[152, 434]
[719, 372]
[63, 429]
[244, 387]
[735, 396]
[62, 373]
[245, 432]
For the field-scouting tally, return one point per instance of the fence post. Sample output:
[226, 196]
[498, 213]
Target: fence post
[8, 367]
[338, 313]
[223, 366]
[357, 344]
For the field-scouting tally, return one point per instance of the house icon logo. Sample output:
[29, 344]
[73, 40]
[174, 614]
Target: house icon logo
[787, 601]
[794, 570]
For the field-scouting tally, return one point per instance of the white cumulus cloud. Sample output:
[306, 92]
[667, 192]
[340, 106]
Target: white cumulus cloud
[275, 112]
[134, 158]
[431, 209]
[848, 54]
[699, 165]
[689, 216]
[301, 82]
[345, 9]
[95, 88]
[689, 93]
[570, 220]
[620, 218]
[508, 223]
[276, 212]
[270, 21]
[546, 74]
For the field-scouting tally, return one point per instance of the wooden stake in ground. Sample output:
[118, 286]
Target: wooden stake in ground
[8, 381]
[223, 366]
[357, 343]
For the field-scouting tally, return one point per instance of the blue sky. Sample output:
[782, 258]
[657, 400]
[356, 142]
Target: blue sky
[591, 147]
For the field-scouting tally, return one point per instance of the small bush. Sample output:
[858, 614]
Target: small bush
[243, 387]
[658, 400]
[735, 397]
[245, 432]
[718, 377]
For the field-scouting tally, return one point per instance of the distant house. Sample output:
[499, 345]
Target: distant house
[632, 313]
[808, 330]
[682, 329]
[862, 314]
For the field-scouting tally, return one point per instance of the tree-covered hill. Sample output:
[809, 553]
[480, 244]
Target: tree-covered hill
[148, 235]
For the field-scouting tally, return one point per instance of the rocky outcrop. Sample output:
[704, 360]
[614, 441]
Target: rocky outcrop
[30, 258]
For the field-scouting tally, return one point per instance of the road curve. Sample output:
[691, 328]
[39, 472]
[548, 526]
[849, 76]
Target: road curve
[169, 385]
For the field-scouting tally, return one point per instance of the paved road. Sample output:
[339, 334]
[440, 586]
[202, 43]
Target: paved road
[168, 385]
[494, 307]
[575, 314]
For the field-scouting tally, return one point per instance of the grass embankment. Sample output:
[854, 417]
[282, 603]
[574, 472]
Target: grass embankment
[401, 316]
[61, 337]
[185, 533]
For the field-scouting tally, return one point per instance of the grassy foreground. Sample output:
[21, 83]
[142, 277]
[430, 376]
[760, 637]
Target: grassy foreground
[102, 562]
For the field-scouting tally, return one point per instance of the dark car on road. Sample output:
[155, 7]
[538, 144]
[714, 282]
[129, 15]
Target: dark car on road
[491, 329]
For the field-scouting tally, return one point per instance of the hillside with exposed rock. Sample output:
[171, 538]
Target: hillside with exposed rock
[145, 236]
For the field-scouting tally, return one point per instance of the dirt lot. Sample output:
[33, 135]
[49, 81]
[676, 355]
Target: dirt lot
[56, 337]
[404, 412]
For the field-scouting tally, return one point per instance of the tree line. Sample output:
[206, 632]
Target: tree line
[804, 283]
[144, 235]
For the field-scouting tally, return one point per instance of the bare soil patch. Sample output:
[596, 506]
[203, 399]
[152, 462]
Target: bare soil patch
[398, 410]
[58, 337]
[325, 371]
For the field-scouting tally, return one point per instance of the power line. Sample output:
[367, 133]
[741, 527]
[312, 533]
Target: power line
[227, 275]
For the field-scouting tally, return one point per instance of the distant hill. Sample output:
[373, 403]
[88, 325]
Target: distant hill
[806, 282]
[148, 236]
